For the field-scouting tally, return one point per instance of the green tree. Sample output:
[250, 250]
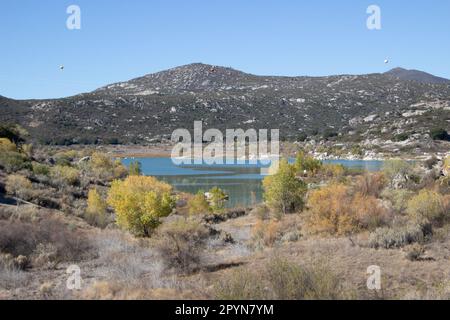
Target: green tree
[307, 163]
[217, 199]
[198, 204]
[135, 168]
[283, 191]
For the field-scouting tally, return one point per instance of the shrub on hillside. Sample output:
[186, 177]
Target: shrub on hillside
[96, 212]
[306, 163]
[399, 198]
[282, 279]
[368, 211]
[400, 236]
[198, 204]
[140, 202]
[6, 145]
[12, 161]
[439, 134]
[428, 205]
[41, 169]
[334, 209]
[64, 175]
[370, 184]
[104, 168]
[283, 191]
[23, 239]
[266, 233]
[397, 172]
[179, 244]
[216, 199]
[135, 168]
[19, 186]
[328, 210]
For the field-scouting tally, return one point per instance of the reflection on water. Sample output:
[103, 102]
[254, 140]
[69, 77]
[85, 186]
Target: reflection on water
[241, 182]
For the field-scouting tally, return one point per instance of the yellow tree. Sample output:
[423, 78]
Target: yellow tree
[140, 202]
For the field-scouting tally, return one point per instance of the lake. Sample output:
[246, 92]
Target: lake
[243, 183]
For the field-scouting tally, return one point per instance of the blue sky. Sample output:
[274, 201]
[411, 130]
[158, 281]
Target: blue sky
[120, 40]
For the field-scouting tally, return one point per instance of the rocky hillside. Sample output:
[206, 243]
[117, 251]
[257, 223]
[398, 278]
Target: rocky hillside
[415, 75]
[149, 108]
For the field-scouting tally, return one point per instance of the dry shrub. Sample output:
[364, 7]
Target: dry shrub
[24, 239]
[370, 184]
[12, 161]
[198, 204]
[104, 168]
[368, 211]
[261, 212]
[335, 171]
[266, 233]
[329, 210]
[6, 145]
[64, 175]
[399, 198]
[335, 210]
[19, 186]
[96, 212]
[180, 242]
[111, 290]
[428, 205]
[282, 279]
[400, 236]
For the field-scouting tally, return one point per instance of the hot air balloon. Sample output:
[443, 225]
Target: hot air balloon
[386, 61]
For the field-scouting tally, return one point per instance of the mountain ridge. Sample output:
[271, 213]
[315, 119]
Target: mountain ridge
[147, 109]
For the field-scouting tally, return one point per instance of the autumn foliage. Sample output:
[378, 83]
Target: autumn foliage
[140, 202]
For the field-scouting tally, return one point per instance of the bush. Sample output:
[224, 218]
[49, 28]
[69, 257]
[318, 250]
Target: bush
[399, 198]
[306, 163]
[428, 205]
[283, 192]
[439, 134]
[13, 133]
[370, 184]
[41, 169]
[282, 279]
[396, 167]
[96, 212]
[104, 168]
[19, 186]
[328, 210]
[335, 210]
[6, 145]
[333, 170]
[65, 158]
[265, 234]
[63, 175]
[14, 161]
[135, 168]
[216, 199]
[23, 239]
[198, 204]
[140, 202]
[368, 211]
[179, 244]
[400, 236]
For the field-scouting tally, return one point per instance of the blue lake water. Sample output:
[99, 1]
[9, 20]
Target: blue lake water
[243, 182]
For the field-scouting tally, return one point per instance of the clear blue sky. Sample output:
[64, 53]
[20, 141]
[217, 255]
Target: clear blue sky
[120, 40]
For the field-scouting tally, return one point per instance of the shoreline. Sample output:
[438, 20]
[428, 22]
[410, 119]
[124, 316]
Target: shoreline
[164, 151]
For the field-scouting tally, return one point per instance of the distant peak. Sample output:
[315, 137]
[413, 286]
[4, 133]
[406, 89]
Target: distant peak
[416, 75]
